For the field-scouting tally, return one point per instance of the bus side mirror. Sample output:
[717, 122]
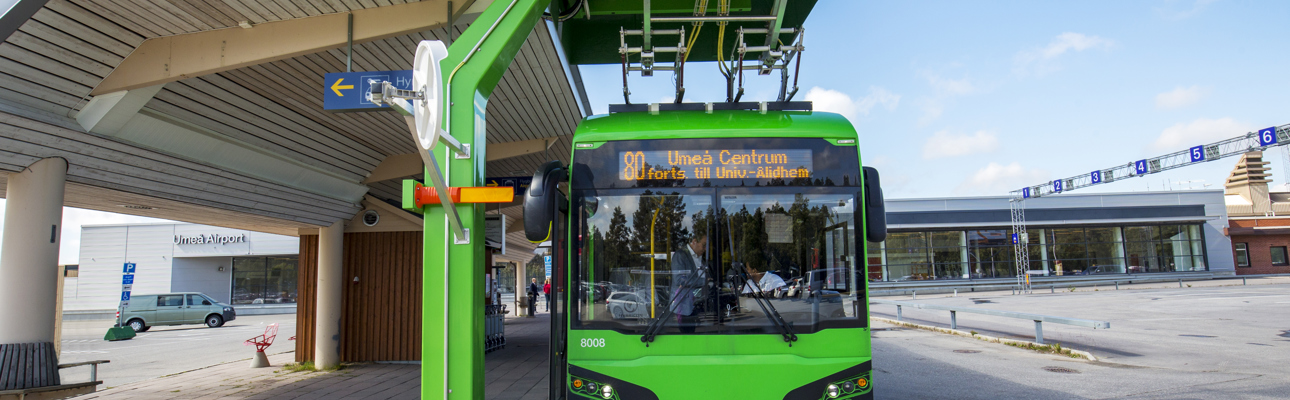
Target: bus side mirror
[875, 211]
[540, 201]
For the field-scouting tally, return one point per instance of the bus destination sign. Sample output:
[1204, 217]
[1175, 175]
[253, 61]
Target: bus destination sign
[714, 164]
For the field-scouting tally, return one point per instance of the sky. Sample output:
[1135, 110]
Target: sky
[980, 98]
[69, 248]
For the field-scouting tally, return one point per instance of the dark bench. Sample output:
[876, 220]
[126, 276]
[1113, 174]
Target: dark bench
[29, 371]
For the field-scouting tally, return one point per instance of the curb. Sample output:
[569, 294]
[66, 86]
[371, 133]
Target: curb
[991, 339]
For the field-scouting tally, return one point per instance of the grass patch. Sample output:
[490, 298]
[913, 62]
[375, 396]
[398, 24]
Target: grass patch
[308, 366]
[1055, 348]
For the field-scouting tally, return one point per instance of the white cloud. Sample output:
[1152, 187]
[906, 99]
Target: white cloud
[842, 103]
[1043, 60]
[945, 144]
[1200, 131]
[996, 179]
[1179, 97]
[952, 87]
[1171, 12]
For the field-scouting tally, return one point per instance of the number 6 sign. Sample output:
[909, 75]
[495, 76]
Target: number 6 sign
[1268, 136]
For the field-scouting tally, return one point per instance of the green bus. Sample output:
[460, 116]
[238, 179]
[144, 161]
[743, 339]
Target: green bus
[704, 253]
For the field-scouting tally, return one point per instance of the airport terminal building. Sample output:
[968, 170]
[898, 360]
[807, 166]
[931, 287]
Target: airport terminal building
[1069, 235]
[256, 272]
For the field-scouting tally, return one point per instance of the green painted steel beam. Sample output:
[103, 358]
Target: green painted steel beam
[595, 40]
[452, 367]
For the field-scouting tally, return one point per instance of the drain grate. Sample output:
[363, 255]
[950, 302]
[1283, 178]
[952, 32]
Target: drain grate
[1061, 370]
[967, 351]
[1199, 336]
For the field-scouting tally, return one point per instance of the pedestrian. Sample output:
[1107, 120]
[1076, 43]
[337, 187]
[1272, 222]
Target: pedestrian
[546, 289]
[533, 291]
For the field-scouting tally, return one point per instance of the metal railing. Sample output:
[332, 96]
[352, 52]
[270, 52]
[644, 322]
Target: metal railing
[947, 286]
[1038, 318]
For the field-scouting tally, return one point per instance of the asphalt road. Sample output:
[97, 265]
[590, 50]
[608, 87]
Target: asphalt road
[165, 350]
[1203, 342]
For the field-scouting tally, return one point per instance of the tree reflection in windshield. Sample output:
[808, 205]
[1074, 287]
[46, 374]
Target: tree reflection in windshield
[666, 256]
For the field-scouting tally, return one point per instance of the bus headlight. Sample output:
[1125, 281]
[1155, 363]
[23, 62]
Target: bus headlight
[833, 391]
[607, 391]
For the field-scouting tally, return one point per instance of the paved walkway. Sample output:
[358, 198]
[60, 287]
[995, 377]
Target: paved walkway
[518, 371]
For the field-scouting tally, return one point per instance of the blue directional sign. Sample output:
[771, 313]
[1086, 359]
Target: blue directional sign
[347, 91]
[1096, 177]
[1025, 193]
[547, 260]
[1140, 167]
[127, 279]
[520, 183]
[1057, 186]
[1268, 136]
[128, 269]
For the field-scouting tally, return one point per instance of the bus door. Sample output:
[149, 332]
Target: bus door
[559, 314]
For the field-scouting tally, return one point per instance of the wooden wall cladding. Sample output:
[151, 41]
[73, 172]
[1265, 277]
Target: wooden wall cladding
[381, 312]
[306, 298]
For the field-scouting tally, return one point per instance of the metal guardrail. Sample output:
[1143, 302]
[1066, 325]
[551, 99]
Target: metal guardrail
[1038, 318]
[1052, 285]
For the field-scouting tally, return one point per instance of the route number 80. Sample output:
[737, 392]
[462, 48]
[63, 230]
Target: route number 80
[593, 342]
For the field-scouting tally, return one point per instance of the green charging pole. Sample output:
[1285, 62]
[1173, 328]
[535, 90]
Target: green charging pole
[452, 366]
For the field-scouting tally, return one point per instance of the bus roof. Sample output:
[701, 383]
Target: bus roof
[699, 124]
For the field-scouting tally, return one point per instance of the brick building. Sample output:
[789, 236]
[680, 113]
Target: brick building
[1258, 220]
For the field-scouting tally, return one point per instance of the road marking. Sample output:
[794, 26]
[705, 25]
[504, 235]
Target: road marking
[1244, 297]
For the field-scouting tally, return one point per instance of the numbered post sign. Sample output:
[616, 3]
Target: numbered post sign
[1025, 193]
[1268, 136]
[1140, 167]
[1014, 238]
[1197, 153]
[1095, 177]
[1057, 186]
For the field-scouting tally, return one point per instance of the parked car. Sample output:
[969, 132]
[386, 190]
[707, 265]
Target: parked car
[624, 305]
[1100, 269]
[149, 310]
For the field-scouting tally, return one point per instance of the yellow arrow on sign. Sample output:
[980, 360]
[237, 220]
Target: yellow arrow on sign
[336, 87]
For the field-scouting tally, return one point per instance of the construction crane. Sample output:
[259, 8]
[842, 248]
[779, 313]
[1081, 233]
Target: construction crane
[1262, 139]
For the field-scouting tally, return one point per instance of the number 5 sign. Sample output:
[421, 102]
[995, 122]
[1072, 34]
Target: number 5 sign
[1268, 136]
[1197, 154]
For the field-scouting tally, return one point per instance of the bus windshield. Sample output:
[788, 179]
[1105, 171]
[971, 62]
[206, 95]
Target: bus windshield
[695, 259]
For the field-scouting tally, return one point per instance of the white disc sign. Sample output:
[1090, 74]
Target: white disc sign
[426, 77]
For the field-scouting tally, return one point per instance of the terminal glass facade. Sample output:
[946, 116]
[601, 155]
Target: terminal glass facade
[265, 280]
[1056, 251]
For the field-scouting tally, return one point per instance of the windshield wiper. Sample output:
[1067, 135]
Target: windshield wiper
[656, 324]
[785, 328]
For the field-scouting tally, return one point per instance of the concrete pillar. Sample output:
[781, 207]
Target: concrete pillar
[29, 254]
[521, 290]
[330, 283]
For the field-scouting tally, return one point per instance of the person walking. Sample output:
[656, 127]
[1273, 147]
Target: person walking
[546, 289]
[533, 291]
